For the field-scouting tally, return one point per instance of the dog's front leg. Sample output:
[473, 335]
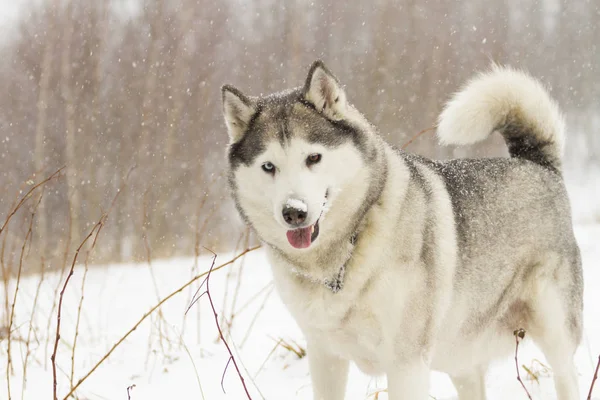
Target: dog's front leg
[328, 372]
[409, 381]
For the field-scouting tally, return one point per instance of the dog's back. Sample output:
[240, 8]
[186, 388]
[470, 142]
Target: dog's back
[518, 258]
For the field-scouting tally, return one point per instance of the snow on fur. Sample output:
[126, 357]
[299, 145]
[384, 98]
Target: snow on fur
[297, 204]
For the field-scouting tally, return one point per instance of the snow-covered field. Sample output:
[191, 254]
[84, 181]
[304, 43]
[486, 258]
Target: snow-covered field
[177, 356]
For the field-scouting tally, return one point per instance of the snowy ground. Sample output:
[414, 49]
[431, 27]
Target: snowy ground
[187, 362]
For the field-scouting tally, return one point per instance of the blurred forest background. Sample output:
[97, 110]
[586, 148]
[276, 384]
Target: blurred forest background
[101, 86]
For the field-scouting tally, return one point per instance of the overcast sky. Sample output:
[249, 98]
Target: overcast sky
[9, 10]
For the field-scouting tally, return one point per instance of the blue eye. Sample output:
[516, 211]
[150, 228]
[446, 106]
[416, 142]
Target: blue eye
[268, 167]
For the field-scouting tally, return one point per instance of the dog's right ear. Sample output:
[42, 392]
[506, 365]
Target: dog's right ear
[325, 92]
[238, 110]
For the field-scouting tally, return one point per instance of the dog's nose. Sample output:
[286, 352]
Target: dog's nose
[293, 215]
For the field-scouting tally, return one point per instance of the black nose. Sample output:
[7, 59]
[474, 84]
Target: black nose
[293, 216]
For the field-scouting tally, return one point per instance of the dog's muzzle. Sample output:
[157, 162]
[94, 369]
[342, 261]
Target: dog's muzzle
[295, 213]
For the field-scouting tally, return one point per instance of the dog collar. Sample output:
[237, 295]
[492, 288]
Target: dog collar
[337, 283]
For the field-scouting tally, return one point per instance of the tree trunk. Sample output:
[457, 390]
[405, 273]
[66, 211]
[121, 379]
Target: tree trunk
[74, 198]
[146, 147]
[42, 112]
[171, 171]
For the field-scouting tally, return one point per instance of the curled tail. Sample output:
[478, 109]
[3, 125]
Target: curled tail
[513, 103]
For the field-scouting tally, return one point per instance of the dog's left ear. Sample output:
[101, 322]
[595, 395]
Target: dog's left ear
[324, 91]
[238, 110]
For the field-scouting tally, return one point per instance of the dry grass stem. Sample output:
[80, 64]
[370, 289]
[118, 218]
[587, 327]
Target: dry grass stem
[594, 379]
[376, 394]
[216, 316]
[294, 347]
[239, 280]
[162, 323]
[9, 309]
[519, 336]
[258, 312]
[147, 314]
[96, 229]
[267, 358]
[253, 298]
[10, 369]
[129, 390]
[26, 196]
[80, 307]
[30, 329]
[223, 321]
[405, 145]
[187, 350]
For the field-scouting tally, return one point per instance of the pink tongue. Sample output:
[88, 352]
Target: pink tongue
[299, 238]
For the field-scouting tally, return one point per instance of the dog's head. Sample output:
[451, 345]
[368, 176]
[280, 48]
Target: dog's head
[292, 155]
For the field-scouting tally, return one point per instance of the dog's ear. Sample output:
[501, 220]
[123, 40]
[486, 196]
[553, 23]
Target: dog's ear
[238, 110]
[323, 90]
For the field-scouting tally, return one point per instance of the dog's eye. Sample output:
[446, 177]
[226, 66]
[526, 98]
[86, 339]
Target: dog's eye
[268, 167]
[313, 159]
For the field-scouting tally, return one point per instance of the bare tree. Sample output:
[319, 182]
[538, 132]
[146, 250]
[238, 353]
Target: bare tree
[42, 120]
[100, 89]
[70, 123]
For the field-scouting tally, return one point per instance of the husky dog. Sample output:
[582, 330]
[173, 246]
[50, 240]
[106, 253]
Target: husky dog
[403, 264]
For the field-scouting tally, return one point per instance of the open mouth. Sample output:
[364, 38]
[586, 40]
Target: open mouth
[302, 238]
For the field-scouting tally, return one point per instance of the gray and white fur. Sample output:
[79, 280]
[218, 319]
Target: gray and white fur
[403, 264]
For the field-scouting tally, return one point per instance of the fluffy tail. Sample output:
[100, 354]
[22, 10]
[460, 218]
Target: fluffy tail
[513, 103]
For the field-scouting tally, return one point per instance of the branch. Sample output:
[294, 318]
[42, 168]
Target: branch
[594, 380]
[31, 325]
[83, 280]
[143, 318]
[129, 390]
[405, 145]
[27, 195]
[231, 357]
[96, 229]
[520, 335]
[17, 284]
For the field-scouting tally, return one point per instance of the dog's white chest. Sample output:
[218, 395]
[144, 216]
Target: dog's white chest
[348, 323]
[351, 331]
